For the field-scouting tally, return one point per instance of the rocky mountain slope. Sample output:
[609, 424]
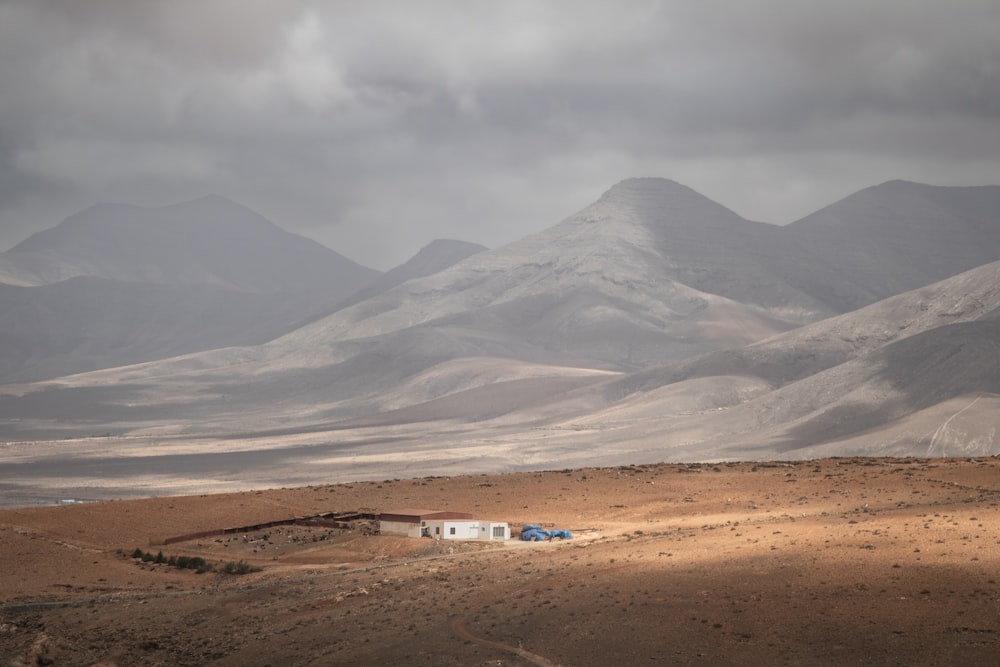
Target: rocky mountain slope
[862, 382]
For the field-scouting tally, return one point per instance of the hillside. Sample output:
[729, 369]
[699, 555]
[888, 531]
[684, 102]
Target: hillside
[862, 383]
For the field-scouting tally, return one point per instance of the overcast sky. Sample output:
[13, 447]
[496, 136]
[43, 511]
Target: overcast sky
[375, 127]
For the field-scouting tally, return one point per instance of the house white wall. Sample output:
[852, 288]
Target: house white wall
[468, 530]
[496, 530]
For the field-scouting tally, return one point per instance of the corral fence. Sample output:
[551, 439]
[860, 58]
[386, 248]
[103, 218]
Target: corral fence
[361, 520]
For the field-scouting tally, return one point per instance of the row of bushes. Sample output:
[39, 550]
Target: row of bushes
[196, 563]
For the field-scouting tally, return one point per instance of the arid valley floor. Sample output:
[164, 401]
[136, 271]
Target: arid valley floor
[836, 561]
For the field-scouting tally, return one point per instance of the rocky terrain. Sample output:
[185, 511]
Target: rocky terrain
[834, 561]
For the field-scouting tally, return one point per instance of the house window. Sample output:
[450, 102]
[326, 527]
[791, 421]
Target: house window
[437, 530]
[451, 530]
[498, 532]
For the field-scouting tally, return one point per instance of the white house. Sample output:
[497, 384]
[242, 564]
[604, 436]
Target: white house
[468, 530]
[441, 525]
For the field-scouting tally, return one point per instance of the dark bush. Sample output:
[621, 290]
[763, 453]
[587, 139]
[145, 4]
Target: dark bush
[196, 563]
[241, 567]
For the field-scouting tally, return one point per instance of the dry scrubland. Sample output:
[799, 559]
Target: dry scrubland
[839, 561]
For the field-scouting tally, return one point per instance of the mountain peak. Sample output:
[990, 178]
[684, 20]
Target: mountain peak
[441, 246]
[645, 186]
[216, 209]
[436, 256]
[663, 202]
[207, 201]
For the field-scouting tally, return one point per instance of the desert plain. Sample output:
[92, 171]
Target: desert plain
[826, 562]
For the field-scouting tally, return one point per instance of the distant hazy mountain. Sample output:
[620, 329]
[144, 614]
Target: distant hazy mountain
[209, 241]
[898, 236]
[119, 284]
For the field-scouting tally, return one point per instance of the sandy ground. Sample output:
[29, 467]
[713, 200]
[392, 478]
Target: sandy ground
[839, 561]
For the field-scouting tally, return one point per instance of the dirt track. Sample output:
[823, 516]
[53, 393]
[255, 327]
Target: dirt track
[828, 562]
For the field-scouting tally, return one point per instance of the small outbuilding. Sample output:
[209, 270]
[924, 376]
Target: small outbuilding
[441, 525]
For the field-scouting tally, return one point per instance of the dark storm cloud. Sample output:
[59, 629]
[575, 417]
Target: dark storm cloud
[375, 127]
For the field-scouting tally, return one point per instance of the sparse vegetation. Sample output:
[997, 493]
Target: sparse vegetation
[240, 567]
[196, 563]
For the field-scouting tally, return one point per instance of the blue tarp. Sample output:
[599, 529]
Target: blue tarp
[531, 532]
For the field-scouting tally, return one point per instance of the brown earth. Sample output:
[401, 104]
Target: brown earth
[839, 561]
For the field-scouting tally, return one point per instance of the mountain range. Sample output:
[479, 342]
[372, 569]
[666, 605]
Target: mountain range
[654, 324]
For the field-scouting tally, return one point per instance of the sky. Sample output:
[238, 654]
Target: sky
[376, 127]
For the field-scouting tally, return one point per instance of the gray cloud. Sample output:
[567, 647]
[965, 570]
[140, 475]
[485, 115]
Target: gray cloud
[375, 127]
